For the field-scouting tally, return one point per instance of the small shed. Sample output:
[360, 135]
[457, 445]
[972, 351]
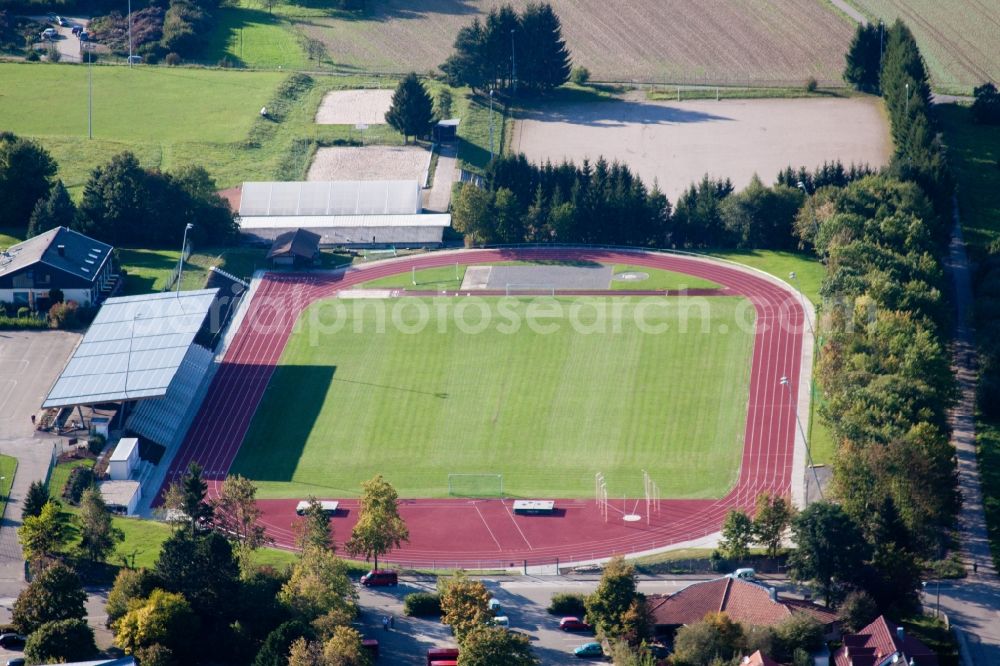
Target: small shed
[122, 497]
[295, 248]
[446, 130]
[124, 459]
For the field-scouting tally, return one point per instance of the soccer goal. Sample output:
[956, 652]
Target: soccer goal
[527, 289]
[475, 485]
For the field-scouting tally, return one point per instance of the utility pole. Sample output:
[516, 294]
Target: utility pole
[90, 92]
[491, 125]
[791, 396]
[130, 34]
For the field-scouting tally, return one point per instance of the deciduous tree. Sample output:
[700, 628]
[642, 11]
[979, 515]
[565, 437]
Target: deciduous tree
[486, 645]
[771, 521]
[313, 531]
[165, 618]
[237, 517]
[61, 641]
[318, 585]
[54, 594]
[608, 606]
[44, 535]
[737, 532]
[464, 604]
[716, 636]
[379, 528]
[129, 585]
[830, 549]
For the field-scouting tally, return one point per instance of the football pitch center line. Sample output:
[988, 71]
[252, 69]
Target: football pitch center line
[487, 526]
[519, 531]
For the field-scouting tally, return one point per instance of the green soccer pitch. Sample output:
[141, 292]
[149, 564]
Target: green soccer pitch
[545, 406]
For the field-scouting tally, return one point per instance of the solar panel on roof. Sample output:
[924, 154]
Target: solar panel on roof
[132, 349]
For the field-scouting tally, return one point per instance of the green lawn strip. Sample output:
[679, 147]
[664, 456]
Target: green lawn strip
[658, 279]
[442, 277]
[10, 236]
[807, 268]
[8, 466]
[251, 37]
[669, 93]
[545, 410]
[974, 156]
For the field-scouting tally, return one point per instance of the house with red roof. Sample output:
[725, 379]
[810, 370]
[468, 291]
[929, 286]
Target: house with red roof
[758, 658]
[883, 642]
[744, 601]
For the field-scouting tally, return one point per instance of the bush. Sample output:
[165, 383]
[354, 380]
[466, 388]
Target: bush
[96, 444]
[53, 54]
[79, 480]
[421, 604]
[32, 56]
[64, 315]
[60, 641]
[580, 76]
[565, 603]
[811, 84]
[173, 59]
[23, 312]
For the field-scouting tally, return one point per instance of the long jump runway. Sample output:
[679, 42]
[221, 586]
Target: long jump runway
[486, 533]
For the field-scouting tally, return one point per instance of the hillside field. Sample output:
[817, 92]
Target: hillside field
[959, 39]
[645, 40]
[545, 408]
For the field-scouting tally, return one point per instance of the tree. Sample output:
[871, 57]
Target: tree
[717, 636]
[318, 585]
[612, 600]
[486, 645]
[760, 216]
[771, 521]
[313, 531]
[464, 604]
[277, 646]
[155, 655]
[830, 549]
[864, 58]
[98, 534]
[54, 594]
[114, 201]
[472, 209]
[798, 632]
[467, 65]
[857, 611]
[187, 498]
[26, 172]
[412, 109]
[379, 528]
[35, 499]
[737, 533]
[55, 210]
[237, 516]
[306, 653]
[545, 61]
[61, 641]
[129, 585]
[43, 535]
[202, 568]
[986, 107]
[165, 618]
[344, 648]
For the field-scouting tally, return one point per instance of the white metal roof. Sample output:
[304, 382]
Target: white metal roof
[124, 449]
[132, 349]
[119, 493]
[340, 197]
[345, 221]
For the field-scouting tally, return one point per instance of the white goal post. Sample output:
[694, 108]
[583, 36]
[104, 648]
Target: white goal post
[528, 289]
[475, 485]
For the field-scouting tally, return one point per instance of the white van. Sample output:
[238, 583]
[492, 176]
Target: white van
[744, 574]
[329, 507]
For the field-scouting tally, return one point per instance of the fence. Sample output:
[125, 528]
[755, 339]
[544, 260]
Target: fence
[172, 280]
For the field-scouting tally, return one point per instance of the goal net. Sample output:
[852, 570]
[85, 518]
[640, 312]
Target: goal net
[528, 289]
[475, 485]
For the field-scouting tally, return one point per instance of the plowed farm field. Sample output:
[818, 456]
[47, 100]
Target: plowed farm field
[959, 39]
[645, 40]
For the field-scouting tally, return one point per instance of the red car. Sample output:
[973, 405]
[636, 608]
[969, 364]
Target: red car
[574, 624]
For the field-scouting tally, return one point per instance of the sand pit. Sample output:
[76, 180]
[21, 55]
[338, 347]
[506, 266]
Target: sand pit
[350, 107]
[371, 163]
[676, 143]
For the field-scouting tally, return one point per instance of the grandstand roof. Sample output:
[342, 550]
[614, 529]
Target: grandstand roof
[342, 197]
[346, 221]
[132, 349]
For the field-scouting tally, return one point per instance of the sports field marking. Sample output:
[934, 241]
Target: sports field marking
[487, 526]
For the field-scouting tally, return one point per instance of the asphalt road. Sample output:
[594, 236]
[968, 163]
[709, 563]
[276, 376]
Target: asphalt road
[66, 43]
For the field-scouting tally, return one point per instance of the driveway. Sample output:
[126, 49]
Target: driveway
[65, 42]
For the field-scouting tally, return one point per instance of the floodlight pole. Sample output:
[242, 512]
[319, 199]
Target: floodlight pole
[180, 264]
[90, 93]
[130, 34]
[794, 276]
[805, 190]
[513, 64]
[788, 384]
[491, 124]
[907, 100]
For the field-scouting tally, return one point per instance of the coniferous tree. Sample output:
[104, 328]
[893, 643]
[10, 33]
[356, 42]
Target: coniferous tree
[467, 65]
[26, 172]
[546, 62]
[35, 499]
[56, 210]
[412, 110]
[864, 58]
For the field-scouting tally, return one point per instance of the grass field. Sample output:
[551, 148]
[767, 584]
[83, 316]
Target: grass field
[251, 37]
[541, 409]
[8, 465]
[642, 40]
[959, 39]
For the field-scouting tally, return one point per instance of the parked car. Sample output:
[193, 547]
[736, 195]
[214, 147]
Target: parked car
[49, 33]
[12, 641]
[744, 574]
[84, 36]
[502, 621]
[589, 650]
[61, 21]
[134, 60]
[17, 661]
[380, 578]
[77, 29]
[370, 645]
[495, 607]
[574, 624]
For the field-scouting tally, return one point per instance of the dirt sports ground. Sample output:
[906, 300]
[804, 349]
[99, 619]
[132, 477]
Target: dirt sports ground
[370, 163]
[675, 144]
[647, 40]
[350, 107]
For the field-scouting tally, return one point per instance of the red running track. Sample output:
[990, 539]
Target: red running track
[485, 533]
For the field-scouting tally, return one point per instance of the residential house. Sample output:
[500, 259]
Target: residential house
[883, 642]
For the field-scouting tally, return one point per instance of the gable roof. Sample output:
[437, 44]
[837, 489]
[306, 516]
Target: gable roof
[758, 659]
[743, 601]
[879, 641]
[82, 256]
[299, 243]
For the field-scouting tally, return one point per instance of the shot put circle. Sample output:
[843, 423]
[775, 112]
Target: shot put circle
[631, 276]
